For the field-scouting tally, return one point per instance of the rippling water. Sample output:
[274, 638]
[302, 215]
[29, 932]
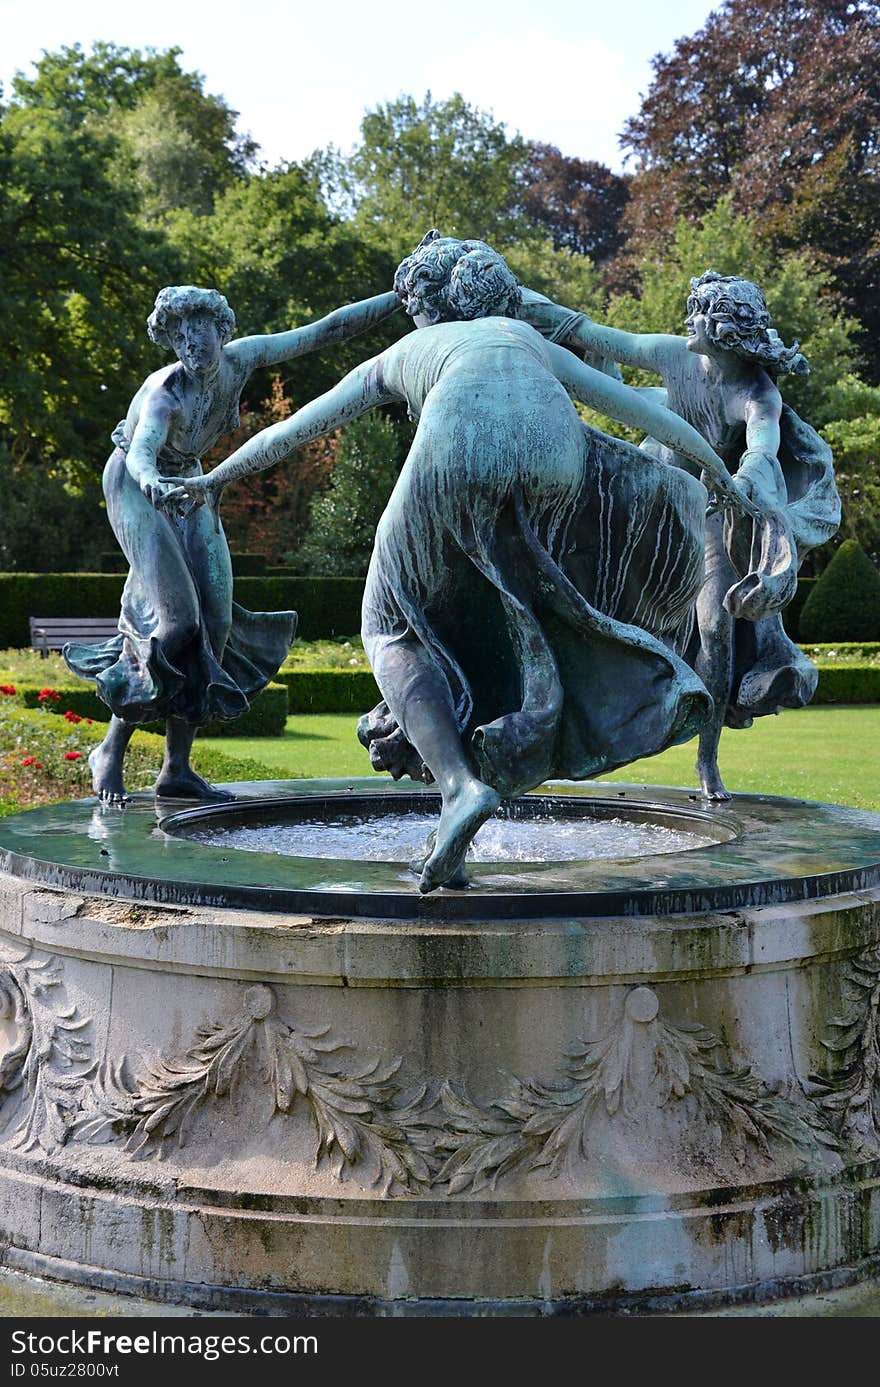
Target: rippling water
[403, 837]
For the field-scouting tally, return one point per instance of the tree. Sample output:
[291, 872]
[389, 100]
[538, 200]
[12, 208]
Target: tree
[778, 103]
[577, 202]
[181, 144]
[343, 524]
[854, 436]
[268, 512]
[78, 282]
[48, 525]
[441, 164]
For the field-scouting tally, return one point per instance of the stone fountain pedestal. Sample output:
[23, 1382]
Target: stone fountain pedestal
[234, 1080]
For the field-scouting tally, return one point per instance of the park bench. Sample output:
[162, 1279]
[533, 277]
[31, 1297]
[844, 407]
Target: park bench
[53, 632]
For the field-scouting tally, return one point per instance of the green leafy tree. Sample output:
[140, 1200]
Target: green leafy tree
[178, 144]
[441, 164]
[855, 442]
[47, 524]
[79, 275]
[343, 521]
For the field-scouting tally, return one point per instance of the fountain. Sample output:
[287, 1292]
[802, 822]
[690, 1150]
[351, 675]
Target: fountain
[236, 1079]
[621, 1053]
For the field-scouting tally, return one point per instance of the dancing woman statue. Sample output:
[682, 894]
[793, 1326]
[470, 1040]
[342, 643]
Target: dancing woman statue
[186, 652]
[496, 668]
[722, 378]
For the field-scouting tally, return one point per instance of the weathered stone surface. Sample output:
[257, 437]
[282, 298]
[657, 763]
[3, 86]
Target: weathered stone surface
[216, 1105]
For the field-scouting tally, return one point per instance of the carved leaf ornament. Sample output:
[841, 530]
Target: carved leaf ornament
[360, 1116]
[48, 1055]
[850, 1095]
[367, 1126]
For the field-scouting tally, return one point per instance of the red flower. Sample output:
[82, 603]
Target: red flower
[7, 688]
[72, 717]
[88, 722]
[48, 696]
[29, 761]
[72, 755]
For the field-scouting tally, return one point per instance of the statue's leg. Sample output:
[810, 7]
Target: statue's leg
[105, 762]
[177, 779]
[714, 663]
[418, 696]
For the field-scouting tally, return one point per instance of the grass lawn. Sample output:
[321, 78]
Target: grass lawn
[824, 753]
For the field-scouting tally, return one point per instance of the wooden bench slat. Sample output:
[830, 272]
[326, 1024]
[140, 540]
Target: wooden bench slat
[52, 632]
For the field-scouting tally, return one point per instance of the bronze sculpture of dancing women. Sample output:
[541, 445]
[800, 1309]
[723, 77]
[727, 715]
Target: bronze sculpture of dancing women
[495, 666]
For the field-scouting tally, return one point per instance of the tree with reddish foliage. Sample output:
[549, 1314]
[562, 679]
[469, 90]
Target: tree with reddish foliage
[268, 512]
[778, 103]
[577, 202]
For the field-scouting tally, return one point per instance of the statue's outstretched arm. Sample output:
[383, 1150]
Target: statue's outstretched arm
[651, 350]
[359, 391]
[336, 327]
[628, 406]
[579, 333]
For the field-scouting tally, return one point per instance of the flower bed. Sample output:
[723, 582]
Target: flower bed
[44, 757]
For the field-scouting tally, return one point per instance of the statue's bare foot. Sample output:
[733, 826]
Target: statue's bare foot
[107, 776]
[463, 813]
[185, 784]
[712, 784]
[457, 881]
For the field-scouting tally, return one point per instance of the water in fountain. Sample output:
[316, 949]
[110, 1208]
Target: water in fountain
[402, 837]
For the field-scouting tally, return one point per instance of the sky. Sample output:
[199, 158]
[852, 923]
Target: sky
[302, 73]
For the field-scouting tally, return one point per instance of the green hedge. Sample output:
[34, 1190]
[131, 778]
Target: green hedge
[243, 565]
[326, 606]
[819, 650]
[329, 690]
[248, 565]
[265, 717]
[848, 684]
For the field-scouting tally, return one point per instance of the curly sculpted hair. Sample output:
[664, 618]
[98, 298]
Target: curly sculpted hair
[739, 321]
[454, 281]
[181, 301]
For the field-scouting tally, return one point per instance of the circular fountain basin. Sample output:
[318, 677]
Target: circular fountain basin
[635, 1070]
[752, 851]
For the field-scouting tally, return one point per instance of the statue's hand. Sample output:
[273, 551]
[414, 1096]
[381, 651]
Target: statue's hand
[162, 492]
[734, 496]
[198, 491]
[759, 476]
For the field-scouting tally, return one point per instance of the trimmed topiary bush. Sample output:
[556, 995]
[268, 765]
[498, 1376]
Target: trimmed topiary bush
[792, 615]
[845, 602]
